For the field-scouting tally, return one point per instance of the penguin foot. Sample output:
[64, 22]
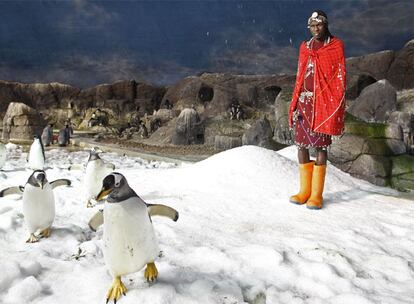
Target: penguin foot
[116, 291]
[151, 272]
[45, 232]
[32, 239]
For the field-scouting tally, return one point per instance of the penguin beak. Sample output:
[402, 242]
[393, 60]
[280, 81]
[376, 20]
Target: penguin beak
[104, 192]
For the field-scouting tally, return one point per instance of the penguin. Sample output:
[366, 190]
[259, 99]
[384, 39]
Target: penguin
[128, 235]
[38, 203]
[36, 158]
[3, 154]
[47, 135]
[96, 170]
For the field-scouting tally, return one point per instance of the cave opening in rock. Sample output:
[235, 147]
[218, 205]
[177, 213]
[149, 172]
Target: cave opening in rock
[364, 80]
[206, 94]
[272, 92]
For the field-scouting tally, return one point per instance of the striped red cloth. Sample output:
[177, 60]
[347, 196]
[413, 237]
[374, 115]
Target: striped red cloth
[329, 90]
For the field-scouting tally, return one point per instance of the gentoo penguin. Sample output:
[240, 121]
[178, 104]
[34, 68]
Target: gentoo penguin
[96, 170]
[3, 154]
[128, 235]
[38, 203]
[47, 135]
[64, 136]
[36, 157]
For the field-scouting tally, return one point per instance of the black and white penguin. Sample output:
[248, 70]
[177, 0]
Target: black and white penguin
[96, 170]
[64, 136]
[38, 203]
[36, 158]
[47, 135]
[129, 238]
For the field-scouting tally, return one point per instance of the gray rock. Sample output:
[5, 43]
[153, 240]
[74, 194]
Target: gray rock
[404, 119]
[397, 146]
[377, 146]
[222, 142]
[21, 122]
[376, 64]
[166, 115]
[247, 94]
[282, 133]
[189, 129]
[406, 122]
[394, 131]
[373, 168]
[346, 149]
[403, 171]
[401, 71]
[375, 103]
[98, 137]
[405, 101]
[216, 91]
[259, 134]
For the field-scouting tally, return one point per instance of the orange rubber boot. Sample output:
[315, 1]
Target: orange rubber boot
[318, 180]
[305, 175]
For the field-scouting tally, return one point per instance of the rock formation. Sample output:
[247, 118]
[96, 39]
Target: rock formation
[259, 134]
[188, 129]
[375, 103]
[21, 122]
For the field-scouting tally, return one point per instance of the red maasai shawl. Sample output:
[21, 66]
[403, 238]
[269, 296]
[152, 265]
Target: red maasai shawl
[329, 89]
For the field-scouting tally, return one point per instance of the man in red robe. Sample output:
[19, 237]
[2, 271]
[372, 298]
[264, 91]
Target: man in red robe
[318, 106]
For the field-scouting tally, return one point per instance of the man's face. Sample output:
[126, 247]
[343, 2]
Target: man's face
[317, 29]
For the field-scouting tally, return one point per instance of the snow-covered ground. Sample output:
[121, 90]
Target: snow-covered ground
[237, 240]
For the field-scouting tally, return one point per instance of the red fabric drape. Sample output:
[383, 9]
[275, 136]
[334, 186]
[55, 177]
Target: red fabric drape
[329, 91]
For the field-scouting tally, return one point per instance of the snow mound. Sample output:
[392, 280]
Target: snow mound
[238, 239]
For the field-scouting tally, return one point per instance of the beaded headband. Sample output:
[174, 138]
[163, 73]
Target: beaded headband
[318, 18]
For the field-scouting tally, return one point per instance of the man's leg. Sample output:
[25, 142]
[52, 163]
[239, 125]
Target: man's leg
[303, 155]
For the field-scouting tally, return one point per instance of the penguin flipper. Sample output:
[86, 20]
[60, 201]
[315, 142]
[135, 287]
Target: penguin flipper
[96, 220]
[12, 190]
[60, 182]
[154, 209]
[162, 210]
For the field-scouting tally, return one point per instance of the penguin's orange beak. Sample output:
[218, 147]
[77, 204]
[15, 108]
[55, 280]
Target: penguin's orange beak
[104, 192]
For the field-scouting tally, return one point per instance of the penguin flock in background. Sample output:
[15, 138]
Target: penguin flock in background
[130, 243]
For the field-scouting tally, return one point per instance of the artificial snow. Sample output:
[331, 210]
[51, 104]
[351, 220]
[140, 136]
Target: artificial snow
[238, 239]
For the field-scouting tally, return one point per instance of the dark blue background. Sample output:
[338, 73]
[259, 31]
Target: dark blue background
[89, 42]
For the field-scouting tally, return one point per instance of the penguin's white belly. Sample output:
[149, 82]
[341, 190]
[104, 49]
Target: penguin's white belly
[36, 159]
[129, 239]
[38, 207]
[94, 175]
